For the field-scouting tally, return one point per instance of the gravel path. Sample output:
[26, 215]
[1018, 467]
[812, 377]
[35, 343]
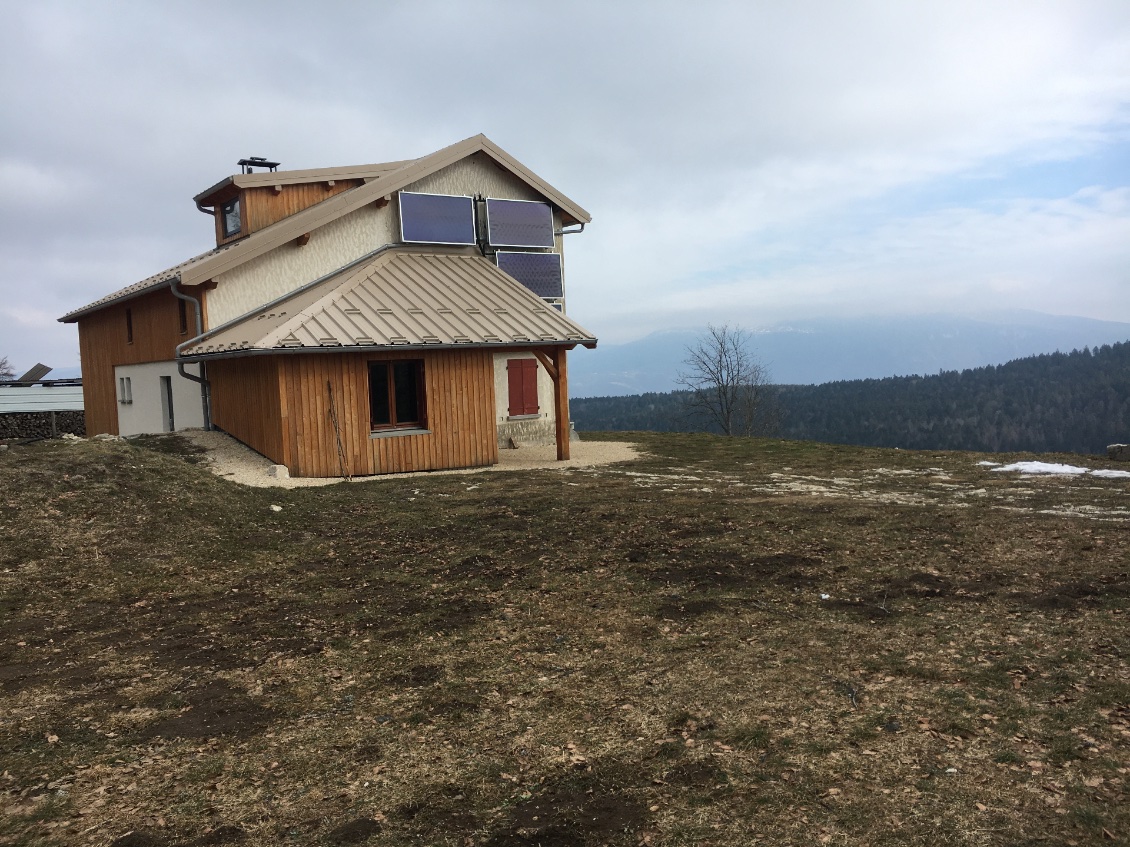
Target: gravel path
[232, 460]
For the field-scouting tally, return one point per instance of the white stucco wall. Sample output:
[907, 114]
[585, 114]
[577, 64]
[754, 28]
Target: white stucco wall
[286, 268]
[502, 388]
[146, 413]
[291, 266]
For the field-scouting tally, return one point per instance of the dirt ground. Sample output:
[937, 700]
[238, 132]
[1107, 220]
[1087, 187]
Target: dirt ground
[228, 458]
[718, 642]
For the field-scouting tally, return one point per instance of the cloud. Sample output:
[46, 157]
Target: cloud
[780, 158]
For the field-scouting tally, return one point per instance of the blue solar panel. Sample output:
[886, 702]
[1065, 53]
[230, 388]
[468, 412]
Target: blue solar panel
[539, 272]
[519, 223]
[437, 218]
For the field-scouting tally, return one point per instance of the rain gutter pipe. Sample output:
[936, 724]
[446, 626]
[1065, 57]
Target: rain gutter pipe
[205, 386]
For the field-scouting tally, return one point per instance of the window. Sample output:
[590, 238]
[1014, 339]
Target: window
[182, 313]
[129, 326]
[522, 380]
[396, 395]
[125, 390]
[229, 217]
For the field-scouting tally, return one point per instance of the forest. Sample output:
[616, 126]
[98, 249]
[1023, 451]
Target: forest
[1075, 402]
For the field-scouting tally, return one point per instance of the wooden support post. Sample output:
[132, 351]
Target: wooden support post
[546, 360]
[561, 403]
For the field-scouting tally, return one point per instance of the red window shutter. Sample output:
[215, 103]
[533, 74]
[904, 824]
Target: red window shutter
[530, 386]
[522, 384]
[514, 383]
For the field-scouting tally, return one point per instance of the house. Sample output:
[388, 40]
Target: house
[362, 320]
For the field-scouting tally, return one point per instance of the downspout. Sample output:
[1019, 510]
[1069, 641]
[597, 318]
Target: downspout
[205, 386]
[570, 231]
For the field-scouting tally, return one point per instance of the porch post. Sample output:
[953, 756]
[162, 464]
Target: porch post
[561, 403]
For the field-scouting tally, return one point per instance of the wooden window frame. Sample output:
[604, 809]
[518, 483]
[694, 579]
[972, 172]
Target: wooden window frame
[393, 425]
[224, 217]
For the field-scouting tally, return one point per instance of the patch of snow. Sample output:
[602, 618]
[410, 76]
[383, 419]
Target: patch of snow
[989, 464]
[1042, 468]
[1064, 470]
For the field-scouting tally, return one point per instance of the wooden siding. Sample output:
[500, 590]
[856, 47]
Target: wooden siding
[459, 391]
[247, 402]
[103, 344]
[262, 206]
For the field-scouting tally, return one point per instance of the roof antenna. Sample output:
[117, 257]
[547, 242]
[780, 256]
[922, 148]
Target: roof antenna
[256, 162]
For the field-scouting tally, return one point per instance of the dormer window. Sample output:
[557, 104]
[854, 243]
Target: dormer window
[229, 217]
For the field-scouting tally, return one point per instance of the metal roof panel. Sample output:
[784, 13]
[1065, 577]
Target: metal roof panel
[402, 297]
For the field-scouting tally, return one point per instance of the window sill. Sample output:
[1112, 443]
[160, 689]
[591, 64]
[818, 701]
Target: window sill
[532, 417]
[392, 433]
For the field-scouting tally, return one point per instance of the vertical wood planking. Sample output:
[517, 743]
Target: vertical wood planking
[264, 207]
[103, 344]
[459, 388]
[247, 403]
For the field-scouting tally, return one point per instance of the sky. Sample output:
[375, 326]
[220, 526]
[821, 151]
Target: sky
[751, 163]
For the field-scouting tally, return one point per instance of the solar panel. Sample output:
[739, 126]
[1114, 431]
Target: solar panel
[437, 218]
[539, 272]
[519, 223]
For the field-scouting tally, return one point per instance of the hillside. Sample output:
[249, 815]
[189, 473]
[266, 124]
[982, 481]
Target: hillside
[1070, 402]
[810, 352]
[725, 642]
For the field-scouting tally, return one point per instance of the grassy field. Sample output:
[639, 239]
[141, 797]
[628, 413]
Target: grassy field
[726, 642]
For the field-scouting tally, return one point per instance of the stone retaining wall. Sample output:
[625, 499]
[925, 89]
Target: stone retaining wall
[38, 424]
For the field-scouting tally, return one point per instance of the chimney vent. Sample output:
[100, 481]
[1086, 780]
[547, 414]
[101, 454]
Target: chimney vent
[256, 162]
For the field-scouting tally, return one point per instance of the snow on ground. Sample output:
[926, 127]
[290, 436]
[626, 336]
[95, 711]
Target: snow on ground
[1041, 467]
[1053, 468]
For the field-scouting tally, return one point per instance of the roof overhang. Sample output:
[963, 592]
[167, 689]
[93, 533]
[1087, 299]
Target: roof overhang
[401, 298]
[394, 348]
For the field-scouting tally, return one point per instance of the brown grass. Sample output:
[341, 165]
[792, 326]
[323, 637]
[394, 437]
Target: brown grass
[634, 654]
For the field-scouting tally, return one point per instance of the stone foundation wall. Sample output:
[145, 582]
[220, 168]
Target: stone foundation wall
[38, 424]
[531, 433]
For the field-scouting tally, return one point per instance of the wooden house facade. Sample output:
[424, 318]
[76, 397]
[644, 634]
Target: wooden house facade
[327, 333]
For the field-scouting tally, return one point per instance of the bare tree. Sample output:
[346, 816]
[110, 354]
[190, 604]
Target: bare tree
[726, 385]
[6, 371]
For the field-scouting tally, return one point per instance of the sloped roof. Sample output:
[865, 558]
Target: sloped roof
[404, 297]
[202, 268]
[263, 179]
[152, 283]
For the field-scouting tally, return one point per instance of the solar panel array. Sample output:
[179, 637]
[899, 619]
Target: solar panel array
[539, 272]
[519, 223]
[437, 218]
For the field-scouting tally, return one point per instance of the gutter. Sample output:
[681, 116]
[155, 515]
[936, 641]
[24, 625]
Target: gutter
[205, 386]
[244, 352]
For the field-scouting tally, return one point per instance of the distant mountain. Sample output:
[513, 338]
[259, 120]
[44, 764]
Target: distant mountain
[816, 351]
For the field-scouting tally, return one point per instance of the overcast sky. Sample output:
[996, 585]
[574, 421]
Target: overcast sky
[750, 162]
